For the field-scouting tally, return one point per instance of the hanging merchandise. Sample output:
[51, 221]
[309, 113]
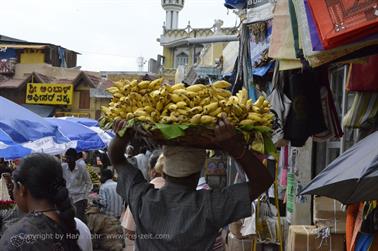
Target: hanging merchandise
[260, 10]
[340, 22]
[260, 35]
[305, 116]
[364, 77]
[363, 112]
[284, 165]
[244, 66]
[331, 118]
[280, 106]
[282, 41]
[307, 37]
[235, 4]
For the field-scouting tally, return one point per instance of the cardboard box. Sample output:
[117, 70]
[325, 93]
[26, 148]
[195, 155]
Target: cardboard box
[234, 244]
[308, 238]
[329, 212]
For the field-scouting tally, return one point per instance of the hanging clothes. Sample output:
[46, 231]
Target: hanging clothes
[305, 116]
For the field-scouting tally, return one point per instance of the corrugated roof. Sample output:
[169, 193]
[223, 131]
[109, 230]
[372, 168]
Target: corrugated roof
[23, 46]
[11, 83]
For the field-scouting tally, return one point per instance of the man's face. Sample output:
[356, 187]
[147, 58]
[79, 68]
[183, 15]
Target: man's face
[70, 159]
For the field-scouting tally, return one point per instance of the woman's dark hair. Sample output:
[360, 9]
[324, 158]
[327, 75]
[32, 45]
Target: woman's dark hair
[42, 175]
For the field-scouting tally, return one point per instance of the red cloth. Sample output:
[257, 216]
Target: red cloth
[364, 77]
[340, 22]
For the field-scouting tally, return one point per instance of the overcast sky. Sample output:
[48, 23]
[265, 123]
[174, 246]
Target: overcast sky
[110, 34]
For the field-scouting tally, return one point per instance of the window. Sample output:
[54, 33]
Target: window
[84, 102]
[182, 59]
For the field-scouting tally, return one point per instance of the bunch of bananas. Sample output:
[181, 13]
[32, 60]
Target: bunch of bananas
[155, 102]
[93, 175]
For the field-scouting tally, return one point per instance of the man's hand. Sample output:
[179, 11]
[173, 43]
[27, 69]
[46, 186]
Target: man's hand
[118, 144]
[227, 138]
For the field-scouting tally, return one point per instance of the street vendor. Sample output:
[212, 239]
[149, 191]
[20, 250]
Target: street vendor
[177, 217]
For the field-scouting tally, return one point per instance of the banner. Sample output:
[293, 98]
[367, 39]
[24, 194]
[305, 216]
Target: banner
[49, 94]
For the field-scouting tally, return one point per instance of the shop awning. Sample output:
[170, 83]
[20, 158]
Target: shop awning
[41, 110]
[23, 46]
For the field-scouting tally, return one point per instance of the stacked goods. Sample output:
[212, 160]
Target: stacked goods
[151, 103]
[329, 213]
[311, 238]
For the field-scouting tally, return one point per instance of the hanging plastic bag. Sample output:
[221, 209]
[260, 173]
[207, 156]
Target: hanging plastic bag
[280, 106]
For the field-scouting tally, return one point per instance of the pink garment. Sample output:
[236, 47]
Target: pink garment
[128, 220]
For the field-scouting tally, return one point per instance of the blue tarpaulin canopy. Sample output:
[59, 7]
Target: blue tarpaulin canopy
[10, 150]
[85, 138]
[24, 126]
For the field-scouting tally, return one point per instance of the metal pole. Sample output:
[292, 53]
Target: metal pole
[344, 107]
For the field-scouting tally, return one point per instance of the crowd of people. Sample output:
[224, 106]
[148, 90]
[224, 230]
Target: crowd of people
[154, 198]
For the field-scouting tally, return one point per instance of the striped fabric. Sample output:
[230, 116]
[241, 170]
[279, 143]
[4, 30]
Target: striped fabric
[364, 108]
[109, 198]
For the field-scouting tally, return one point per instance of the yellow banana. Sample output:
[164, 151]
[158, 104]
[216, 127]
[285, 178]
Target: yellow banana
[255, 116]
[176, 98]
[196, 109]
[172, 107]
[210, 107]
[159, 105]
[149, 109]
[266, 103]
[246, 122]
[181, 104]
[155, 83]
[119, 85]
[221, 84]
[117, 95]
[182, 112]
[177, 86]
[206, 119]
[144, 84]
[191, 94]
[259, 102]
[139, 113]
[129, 116]
[216, 112]
[112, 89]
[196, 119]
[205, 101]
[195, 88]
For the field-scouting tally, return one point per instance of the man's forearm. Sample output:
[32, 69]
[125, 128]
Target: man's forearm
[117, 151]
[259, 177]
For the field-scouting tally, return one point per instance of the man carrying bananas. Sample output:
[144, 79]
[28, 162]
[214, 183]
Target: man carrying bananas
[177, 217]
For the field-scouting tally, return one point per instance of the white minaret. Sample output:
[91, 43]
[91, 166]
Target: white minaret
[172, 9]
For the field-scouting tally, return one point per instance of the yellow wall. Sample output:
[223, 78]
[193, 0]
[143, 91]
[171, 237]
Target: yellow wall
[32, 57]
[168, 57]
[96, 104]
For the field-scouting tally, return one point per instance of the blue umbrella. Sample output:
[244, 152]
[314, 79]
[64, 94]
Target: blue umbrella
[84, 121]
[106, 136]
[85, 138]
[10, 150]
[24, 126]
